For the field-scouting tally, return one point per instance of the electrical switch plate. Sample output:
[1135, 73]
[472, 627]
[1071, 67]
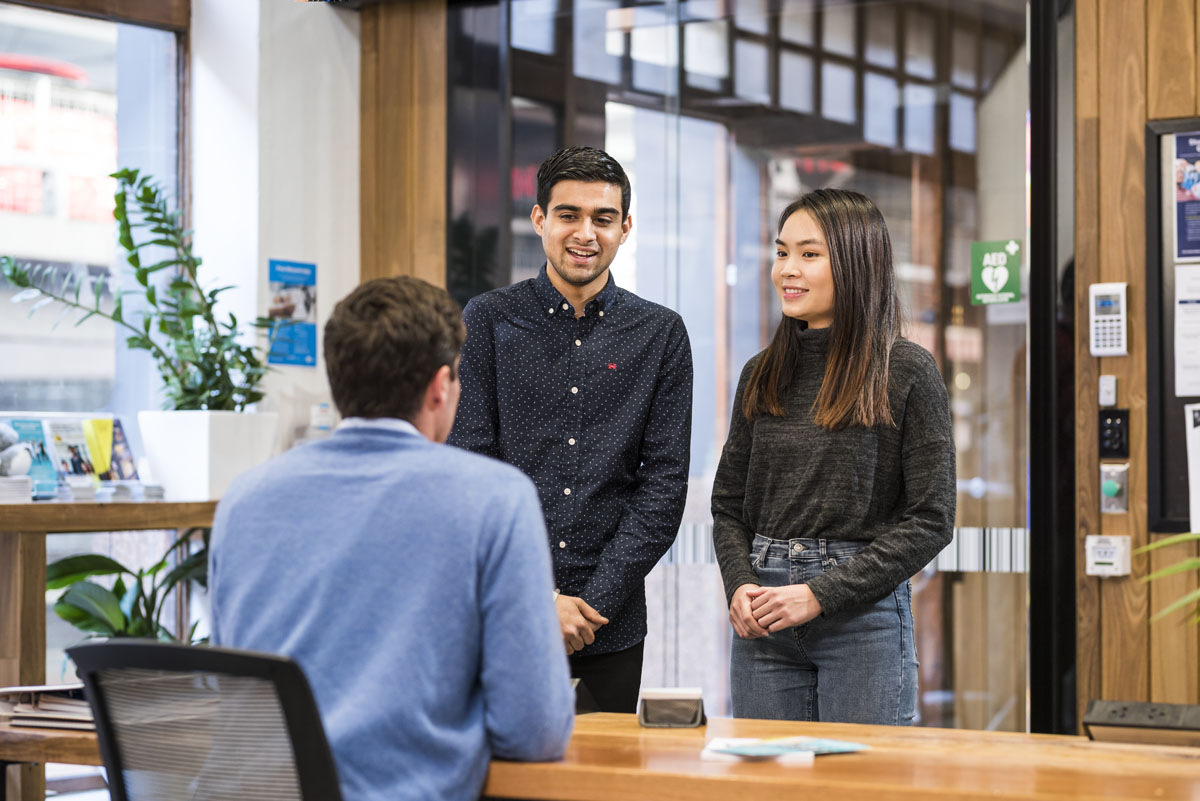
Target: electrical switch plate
[1107, 555]
[1108, 390]
[1114, 433]
[1114, 488]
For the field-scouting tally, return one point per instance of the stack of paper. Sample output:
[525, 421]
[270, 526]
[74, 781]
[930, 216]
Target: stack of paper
[82, 488]
[16, 489]
[47, 706]
[788, 750]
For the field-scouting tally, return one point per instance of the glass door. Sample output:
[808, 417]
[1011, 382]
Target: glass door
[723, 112]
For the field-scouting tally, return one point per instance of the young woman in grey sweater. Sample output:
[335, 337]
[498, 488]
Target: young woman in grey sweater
[837, 481]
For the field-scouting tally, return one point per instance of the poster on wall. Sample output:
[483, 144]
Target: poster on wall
[1187, 196]
[293, 311]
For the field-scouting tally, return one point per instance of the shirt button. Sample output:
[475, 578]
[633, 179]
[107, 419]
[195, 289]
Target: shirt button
[574, 390]
[566, 491]
[571, 441]
[566, 306]
[552, 310]
[578, 343]
[601, 314]
[562, 544]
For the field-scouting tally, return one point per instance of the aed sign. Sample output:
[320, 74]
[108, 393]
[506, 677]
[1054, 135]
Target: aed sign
[995, 272]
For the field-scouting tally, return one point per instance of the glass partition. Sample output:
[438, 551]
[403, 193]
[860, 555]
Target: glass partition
[722, 113]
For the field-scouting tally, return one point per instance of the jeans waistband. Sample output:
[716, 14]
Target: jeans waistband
[804, 547]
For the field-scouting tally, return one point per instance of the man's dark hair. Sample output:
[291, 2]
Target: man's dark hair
[581, 164]
[384, 343]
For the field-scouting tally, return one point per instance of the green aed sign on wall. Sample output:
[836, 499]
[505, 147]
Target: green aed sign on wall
[995, 272]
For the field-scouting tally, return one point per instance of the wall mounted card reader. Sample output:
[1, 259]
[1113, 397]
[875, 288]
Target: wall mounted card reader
[1108, 319]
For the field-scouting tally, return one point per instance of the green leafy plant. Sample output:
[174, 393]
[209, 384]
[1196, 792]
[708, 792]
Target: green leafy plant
[134, 605]
[198, 354]
[1182, 566]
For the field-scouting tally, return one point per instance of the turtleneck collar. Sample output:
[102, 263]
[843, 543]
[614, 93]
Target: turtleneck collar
[815, 339]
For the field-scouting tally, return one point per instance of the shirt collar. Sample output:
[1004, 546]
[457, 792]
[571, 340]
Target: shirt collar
[379, 423]
[552, 299]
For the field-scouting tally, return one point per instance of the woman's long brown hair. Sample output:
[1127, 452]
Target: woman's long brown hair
[866, 320]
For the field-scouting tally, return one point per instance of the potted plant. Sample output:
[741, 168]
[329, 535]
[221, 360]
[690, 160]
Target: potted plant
[209, 375]
[134, 606]
[1182, 566]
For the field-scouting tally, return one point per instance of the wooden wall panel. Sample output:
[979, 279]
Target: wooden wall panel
[1087, 264]
[403, 173]
[1174, 652]
[1124, 602]
[1147, 71]
[1171, 64]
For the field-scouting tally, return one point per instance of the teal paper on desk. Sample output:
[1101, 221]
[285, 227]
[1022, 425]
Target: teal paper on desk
[766, 749]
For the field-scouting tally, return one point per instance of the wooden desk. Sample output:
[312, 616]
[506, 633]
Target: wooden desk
[23, 530]
[612, 759]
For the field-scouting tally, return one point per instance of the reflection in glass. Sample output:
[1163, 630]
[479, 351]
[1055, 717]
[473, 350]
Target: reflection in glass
[918, 117]
[533, 25]
[879, 109]
[838, 33]
[706, 54]
[591, 43]
[750, 71]
[962, 123]
[881, 36]
[796, 21]
[654, 46]
[964, 47]
[796, 82]
[751, 15]
[919, 30]
[837, 92]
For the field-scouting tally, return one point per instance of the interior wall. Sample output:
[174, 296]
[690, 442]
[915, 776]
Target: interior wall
[1136, 60]
[275, 163]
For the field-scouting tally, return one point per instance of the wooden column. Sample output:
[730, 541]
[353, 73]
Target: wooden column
[403, 175]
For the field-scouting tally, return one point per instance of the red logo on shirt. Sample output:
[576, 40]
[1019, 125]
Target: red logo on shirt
[612, 365]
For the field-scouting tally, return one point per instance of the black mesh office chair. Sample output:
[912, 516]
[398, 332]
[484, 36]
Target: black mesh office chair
[205, 724]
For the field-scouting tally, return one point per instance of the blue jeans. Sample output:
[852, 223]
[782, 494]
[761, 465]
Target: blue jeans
[856, 666]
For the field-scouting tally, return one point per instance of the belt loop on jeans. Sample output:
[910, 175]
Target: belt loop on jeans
[821, 543]
[762, 552]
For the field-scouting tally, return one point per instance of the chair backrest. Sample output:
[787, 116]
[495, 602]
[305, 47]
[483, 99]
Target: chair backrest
[176, 722]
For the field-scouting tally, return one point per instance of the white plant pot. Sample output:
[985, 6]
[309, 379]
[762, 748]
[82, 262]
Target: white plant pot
[195, 455]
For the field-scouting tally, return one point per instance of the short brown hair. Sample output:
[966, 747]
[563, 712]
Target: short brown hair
[385, 341]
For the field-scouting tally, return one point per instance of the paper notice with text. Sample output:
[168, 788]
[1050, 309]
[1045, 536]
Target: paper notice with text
[1191, 414]
[1187, 330]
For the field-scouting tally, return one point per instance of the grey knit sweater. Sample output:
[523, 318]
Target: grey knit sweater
[784, 477]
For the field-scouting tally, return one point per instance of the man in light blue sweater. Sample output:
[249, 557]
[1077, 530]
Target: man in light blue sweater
[409, 579]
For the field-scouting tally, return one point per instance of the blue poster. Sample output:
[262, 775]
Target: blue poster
[1187, 197]
[293, 312]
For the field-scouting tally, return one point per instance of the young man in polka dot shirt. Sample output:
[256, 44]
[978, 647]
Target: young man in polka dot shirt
[587, 388]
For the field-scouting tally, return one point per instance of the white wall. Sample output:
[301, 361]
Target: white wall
[275, 159]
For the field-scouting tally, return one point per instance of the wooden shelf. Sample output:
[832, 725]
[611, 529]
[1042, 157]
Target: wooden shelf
[61, 518]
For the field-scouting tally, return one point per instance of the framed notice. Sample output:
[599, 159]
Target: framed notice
[1172, 289]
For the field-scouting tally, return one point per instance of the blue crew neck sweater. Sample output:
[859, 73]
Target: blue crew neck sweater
[411, 582]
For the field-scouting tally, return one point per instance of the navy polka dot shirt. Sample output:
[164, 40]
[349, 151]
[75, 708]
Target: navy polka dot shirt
[597, 411]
